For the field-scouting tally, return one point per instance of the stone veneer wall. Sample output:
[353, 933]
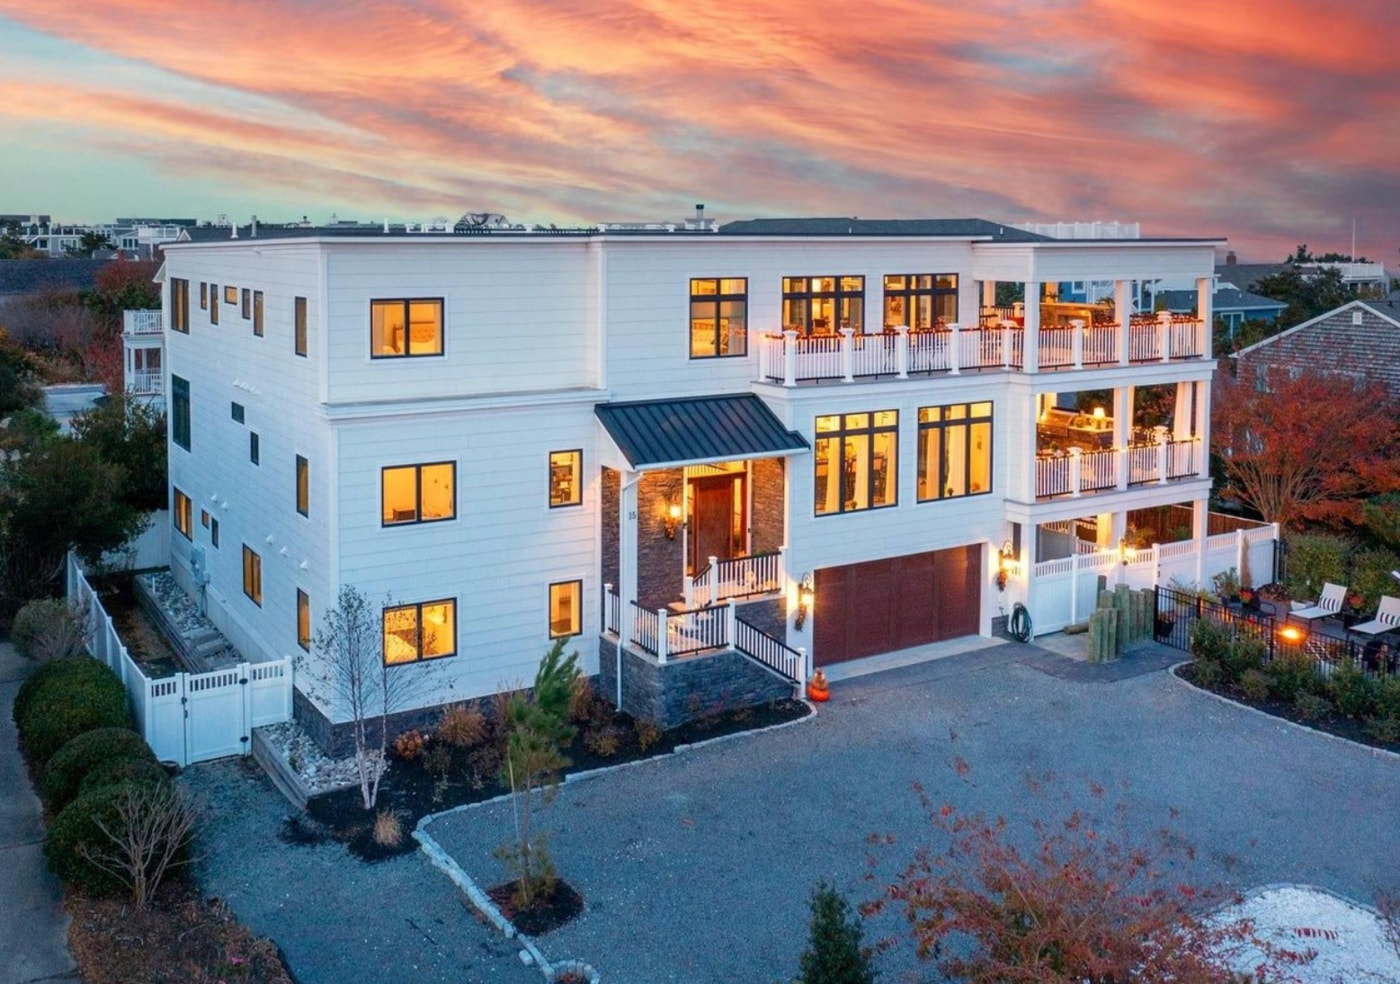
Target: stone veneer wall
[769, 508]
[768, 615]
[611, 494]
[660, 562]
[685, 689]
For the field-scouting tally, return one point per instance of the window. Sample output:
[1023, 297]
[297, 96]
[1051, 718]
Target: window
[179, 305]
[247, 304]
[855, 461]
[253, 450]
[303, 620]
[183, 513]
[180, 411]
[565, 474]
[303, 486]
[299, 326]
[419, 493]
[921, 300]
[258, 313]
[955, 451]
[213, 304]
[230, 295]
[417, 632]
[203, 296]
[204, 518]
[236, 411]
[214, 532]
[719, 317]
[822, 305]
[565, 609]
[252, 575]
[402, 328]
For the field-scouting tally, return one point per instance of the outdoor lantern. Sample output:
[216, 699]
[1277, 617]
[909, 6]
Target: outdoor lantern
[673, 519]
[1005, 557]
[1291, 633]
[806, 594]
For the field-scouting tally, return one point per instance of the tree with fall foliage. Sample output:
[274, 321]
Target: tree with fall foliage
[1310, 447]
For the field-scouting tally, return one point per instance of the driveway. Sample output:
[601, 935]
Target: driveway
[697, 867]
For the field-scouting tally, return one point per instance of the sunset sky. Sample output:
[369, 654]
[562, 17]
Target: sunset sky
[1271, 122]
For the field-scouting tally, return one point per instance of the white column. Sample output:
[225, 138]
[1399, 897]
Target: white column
[1203, 429]
[662, 634]
[1122, 429]
[1123, 309]
[901, 351]
[1163, 466]
[1030, 355]
[1164, 336]
[1075, 472]
[789, 357]
[954, 349]
[627, 555]
[1205, 308]
[989, 295]
[1076, 343]
[1182, 420]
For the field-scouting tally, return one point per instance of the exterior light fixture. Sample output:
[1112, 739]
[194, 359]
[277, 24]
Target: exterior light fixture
[1005, 556]
[1126, 552]
[672, 520]
[1291, 633]
[806, 595]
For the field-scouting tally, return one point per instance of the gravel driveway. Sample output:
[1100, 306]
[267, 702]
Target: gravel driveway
[696, 867]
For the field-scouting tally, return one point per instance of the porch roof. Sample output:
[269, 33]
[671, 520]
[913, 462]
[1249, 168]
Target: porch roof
[691, 430]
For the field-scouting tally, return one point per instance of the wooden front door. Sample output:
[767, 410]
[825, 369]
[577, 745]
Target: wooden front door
[712, 508]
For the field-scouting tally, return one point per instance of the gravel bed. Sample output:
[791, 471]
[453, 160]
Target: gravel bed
[318, 773]
[183, 613]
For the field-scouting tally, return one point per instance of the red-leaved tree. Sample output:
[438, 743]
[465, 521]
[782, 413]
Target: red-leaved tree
[1309, 447]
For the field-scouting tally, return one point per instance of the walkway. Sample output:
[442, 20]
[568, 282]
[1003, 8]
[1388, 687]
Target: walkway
[33, 925]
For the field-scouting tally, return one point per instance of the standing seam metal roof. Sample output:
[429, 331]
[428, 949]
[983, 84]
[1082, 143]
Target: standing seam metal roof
[698, 428]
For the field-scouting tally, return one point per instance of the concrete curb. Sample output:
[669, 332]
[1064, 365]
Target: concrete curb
[530, 952]
[1375, 752]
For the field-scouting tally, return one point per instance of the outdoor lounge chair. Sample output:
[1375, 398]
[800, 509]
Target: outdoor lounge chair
[1387, 618]
[1328, 604]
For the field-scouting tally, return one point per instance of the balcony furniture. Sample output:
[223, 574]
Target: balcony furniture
[1387, 619]
[1329, 604]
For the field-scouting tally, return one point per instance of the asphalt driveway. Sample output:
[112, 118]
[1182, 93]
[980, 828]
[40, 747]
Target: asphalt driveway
[697, 867]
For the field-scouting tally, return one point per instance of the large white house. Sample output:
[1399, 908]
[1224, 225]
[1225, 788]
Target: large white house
[505, 436]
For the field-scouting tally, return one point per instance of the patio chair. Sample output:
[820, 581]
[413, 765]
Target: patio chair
[1329, 604]
[1387, 618]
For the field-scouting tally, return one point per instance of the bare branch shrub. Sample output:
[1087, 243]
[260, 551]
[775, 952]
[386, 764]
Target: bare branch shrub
[149, 836]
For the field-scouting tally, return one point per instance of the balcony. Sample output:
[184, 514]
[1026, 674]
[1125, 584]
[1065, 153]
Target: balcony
[1078, 471]
[145, 382]
[847, 356]
[141, 323]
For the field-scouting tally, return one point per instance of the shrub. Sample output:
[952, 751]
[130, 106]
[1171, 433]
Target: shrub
[581, 701]
[1370, 574]
[1386, 694]
[388, 829]
[409, 745]
[45, 630]
[119, 838]
[648, 733]
[70, 764]
[835, 953]
[1208, 672]
[1313, 560]
[1386, 729]
[1293, 674]
[603, 742]
[122, 770]
[1209, 640]
[1255, 684]
[1353, 695]
[79, 696]
[1243, 655]
[1312, 707]
[36, 681]
[461, 726]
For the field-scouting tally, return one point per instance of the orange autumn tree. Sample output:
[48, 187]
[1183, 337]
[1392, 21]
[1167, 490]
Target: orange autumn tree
[1306, 448]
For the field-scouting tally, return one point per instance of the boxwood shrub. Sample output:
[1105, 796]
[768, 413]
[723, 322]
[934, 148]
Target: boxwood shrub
[80, 825]
[122, 770]
[31, 621]
[36, 681]
[79, 695]
[59, 783]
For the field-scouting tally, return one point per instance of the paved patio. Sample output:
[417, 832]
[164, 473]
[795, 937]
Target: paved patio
[697, 867]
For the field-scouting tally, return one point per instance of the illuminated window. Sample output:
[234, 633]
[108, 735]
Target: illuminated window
[955, 451]
[856, 461]
[230, 295]
[252, 575]
[303, 620]
[179, 305]
[565, 478]
[203, 296]
[204, 518]
[303, 486]
[402, 328]
[258, 313]
[419, 493]
[417, 632]
[921, 300]
[823, 305]
[299, 326]
[180, 411]
[565, 609]
[247, 303]
[213, 304]
[719, 317]
[183, 513]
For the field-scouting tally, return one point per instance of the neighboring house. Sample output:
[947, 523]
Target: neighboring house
[1359, 339]
[143, 356]
[1366, 278]
[20, 279]
[506, 436]
[1232, 306]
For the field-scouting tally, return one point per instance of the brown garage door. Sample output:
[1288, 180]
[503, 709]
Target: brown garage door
[884, 605]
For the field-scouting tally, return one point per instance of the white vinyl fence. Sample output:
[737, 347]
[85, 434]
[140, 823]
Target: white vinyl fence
[187, 717]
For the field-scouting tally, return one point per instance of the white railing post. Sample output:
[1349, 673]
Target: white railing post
[688, 591]
[712, 583]
[1076, 342]
[1163, 467]
[789, 357]
[954, 349]
[804, 667]
[1164, 335]
[731, 622]
[1005, 345]
[1240, 548]
[848, 356]
[764, 357]
[901, 351]
[1075, 470]
[1074, 586]
[1124, 464]
[662, 633]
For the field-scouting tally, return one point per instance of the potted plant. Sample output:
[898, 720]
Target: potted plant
[1227, 585]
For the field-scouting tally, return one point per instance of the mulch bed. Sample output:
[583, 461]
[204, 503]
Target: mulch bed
[182, 939]
[1332, 724]
[546, 914]
[473, 775]
[143, 641]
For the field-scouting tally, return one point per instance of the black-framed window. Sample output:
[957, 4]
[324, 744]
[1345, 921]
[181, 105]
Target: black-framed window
[405, 327]
[823, 305]
[565, 478]
[230, 295]
[254, 447]
[719, 317]
[856, 462]
[214, 532]
[424, 493]
[180, 305]
[303, 620]
[258, 313]
[565, 609]
[236, 412]
[247, 304]
[203, 296]
[182, 513]
[303, 486]
[426, 630]
[180, 411]
[252, 575]
[955, 451]
[299, 326]
[213, 304]
[204, 518]
[921, 300]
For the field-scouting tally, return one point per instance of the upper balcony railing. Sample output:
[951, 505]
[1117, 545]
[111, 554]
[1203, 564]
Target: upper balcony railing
[789, 358]
[141, 322]
[1077, 472]
[146, 382]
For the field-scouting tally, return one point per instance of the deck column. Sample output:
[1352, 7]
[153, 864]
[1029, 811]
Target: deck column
[789, 357]
[1205, 310]
[627, 555]
[1123, 309]
[1164, 335]
[1075, 471]
[1030, 344]
[848, 356]
[1203, 428]
[1076, 343]
[954, 349]
[901, 351]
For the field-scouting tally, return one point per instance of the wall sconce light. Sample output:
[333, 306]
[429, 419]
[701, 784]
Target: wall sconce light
[1126, 552]
[806, 595]
[1005, 556]
[672, 519]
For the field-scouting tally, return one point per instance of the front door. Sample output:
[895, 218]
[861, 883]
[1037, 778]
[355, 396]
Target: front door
[717, 507]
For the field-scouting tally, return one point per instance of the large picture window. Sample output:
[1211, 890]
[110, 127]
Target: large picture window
[419, 493]
[719, 317]
[183, 513]
[179, 305]
[823, 305]
[955, 451]
[565, 609]
[856, 466]
[921, 300]
[422, 631]
[403, 328]
[180, 411]
[252, 575]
